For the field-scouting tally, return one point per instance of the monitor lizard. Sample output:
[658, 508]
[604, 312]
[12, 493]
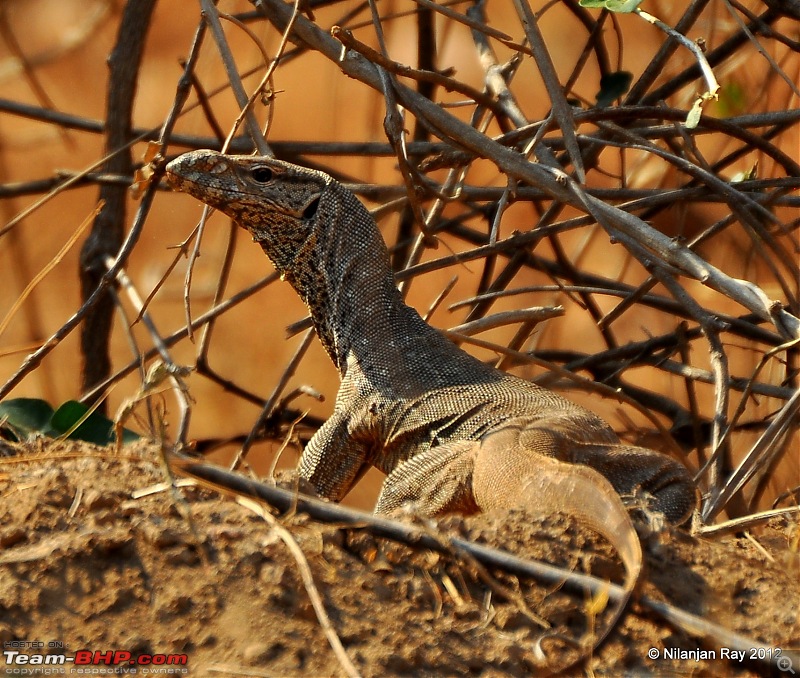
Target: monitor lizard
[452, 433]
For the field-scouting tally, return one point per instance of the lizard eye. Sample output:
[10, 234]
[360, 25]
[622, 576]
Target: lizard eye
[262, 174]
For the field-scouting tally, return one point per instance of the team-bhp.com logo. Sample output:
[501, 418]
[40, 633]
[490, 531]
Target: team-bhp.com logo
[137, 663]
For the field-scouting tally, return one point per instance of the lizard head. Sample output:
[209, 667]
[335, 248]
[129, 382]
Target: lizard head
[276, 202]
[320, 238]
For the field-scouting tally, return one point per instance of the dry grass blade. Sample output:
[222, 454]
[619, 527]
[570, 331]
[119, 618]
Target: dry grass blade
[49, 267]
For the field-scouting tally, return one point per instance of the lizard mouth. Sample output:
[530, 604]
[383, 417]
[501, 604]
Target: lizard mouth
[188, 180]
[189, 170]
[176, 178]
[175, 182]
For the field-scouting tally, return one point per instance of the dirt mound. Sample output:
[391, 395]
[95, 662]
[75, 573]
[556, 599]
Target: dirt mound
[99, 555]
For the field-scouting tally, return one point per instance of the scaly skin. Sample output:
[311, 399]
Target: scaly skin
[451, 433]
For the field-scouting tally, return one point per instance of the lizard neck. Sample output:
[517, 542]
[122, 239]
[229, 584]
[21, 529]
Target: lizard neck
[336, 260]
[343, 275]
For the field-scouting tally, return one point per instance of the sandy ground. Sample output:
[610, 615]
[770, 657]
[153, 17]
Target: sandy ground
[92, 561]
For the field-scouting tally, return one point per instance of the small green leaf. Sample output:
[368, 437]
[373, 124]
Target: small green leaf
[612, 87]
[25, 417]
[94, 429]
[618, 6]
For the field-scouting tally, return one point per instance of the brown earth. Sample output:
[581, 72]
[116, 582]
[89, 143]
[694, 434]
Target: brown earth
[93, 560]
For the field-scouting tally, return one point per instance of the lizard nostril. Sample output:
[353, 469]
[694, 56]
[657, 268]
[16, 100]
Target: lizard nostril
[262, 174]
[311, 209]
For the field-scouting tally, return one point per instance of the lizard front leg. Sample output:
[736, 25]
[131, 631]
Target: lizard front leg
[333, 460]
[438, 480]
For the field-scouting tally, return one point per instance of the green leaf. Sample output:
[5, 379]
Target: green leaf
[612, 87]
[94, 429]
[618, 6]
[25, 417]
